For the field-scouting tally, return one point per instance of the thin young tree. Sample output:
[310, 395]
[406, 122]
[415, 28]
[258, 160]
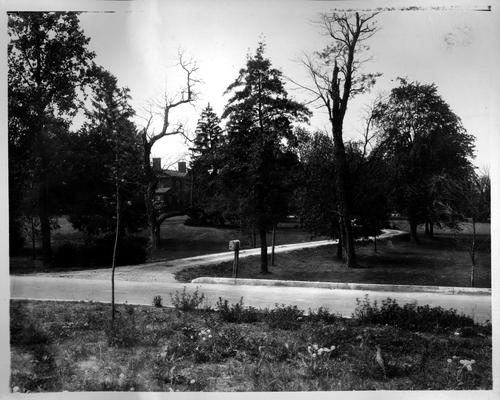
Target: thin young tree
[336, 78]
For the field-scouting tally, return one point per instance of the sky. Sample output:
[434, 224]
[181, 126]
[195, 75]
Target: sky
[139, 43]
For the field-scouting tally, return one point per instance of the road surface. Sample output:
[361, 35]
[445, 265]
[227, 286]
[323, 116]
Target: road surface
[135, 292]
[138, 284]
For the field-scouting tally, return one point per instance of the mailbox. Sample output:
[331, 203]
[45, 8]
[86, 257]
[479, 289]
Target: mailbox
[234, 245]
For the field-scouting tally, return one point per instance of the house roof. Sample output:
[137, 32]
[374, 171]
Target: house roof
[175, 174]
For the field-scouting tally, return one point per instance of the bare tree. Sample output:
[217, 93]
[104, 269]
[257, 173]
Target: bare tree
[336, 78]
[186, 96]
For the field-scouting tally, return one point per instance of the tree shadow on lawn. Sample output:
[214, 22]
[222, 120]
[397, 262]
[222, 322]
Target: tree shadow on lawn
[433, 262]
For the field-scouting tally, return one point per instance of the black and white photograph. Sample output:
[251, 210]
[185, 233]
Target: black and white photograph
[249, 196]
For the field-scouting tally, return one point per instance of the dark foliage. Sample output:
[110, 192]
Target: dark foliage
[284, 317]
[237, 312]
[410, 316]
[131, 250]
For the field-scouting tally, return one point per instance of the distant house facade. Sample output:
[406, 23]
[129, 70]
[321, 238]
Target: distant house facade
[173, 190]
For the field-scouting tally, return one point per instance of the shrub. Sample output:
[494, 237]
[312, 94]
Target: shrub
[187, 301]
[130, 250]
[284, 317]
[236, 312]
[322, 315]
[69, 254]
[410, 316]
[158, 301]
[16, 238]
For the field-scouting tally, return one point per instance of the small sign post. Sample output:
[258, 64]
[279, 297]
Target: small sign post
[235, 245]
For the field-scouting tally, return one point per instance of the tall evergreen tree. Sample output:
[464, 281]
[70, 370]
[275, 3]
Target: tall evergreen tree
[205, 166]
[208, 135]
[259, 126]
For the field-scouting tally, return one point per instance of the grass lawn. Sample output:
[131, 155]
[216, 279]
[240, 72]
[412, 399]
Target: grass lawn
[177, 241]
[441, 261]
[70, 346]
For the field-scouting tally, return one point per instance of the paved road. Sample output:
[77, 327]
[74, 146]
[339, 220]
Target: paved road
[134, 292]
[138, 284]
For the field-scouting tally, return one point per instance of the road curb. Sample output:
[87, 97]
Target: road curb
[345, 286]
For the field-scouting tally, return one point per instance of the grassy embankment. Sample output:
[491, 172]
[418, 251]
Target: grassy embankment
[71, 346]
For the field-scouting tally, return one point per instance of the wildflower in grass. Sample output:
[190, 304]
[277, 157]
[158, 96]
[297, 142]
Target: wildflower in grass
[448, 360]
[467, 364]
[315, 350]
[192, 382]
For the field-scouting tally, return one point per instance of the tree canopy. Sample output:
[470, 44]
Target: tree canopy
[423, 140]
[48, 64]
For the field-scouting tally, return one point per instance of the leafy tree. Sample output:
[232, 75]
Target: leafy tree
[318, 196]
[422, 139]
[106, 147]
[336, 78]
[260, 117]
[368, 173]
[48, 61]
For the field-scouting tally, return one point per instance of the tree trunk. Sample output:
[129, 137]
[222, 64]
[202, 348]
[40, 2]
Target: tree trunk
[431, 229]
[115, 247]
[33, 238]
[151, 216]
[427, 228]
[340, 244]
[45, 222]
[473, 253]
[413, 231]
[343, 192]
[150, 181]
[263, 251]
[349, 240]
[273, 239]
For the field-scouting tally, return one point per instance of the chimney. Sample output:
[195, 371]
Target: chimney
[181, 166]
[157, 164]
